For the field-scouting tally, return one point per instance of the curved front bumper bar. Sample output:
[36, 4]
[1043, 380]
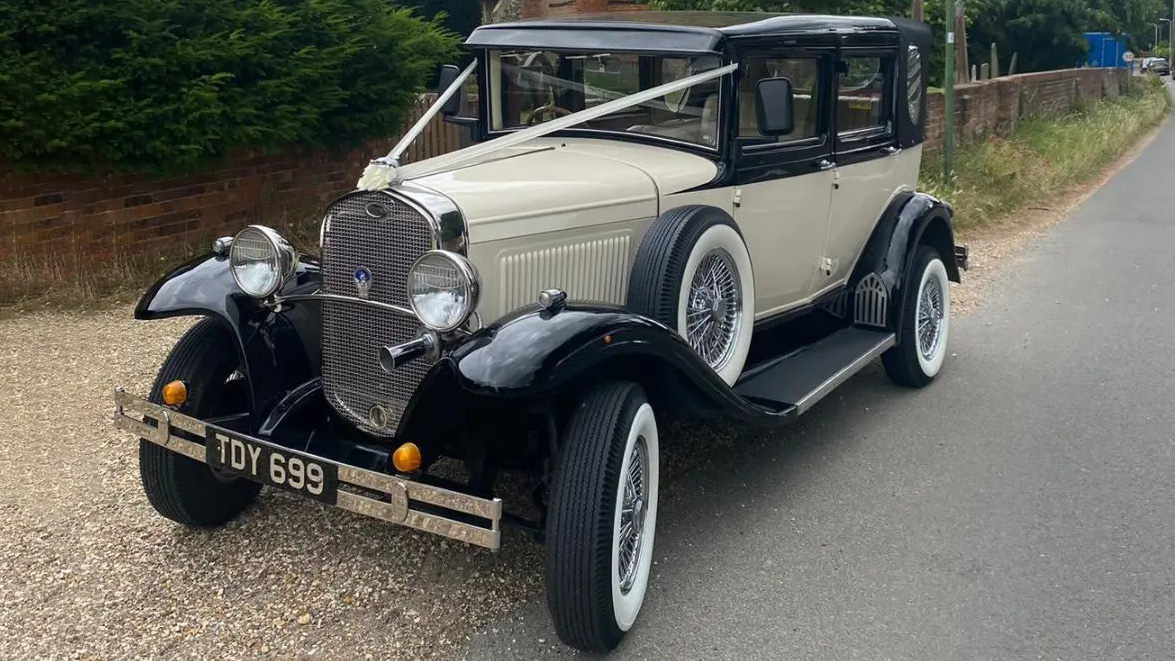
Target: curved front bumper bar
[378, 495]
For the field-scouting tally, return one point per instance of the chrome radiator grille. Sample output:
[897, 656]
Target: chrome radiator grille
[384, 235]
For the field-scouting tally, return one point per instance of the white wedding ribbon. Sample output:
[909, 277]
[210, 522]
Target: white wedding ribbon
[384, 172]
[455, 159]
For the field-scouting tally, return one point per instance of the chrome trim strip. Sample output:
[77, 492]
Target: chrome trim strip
[319, 296]
[808, 401]
[448, 223]
[400, 493]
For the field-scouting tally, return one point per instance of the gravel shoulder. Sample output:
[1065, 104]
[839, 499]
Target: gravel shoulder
[90, 571]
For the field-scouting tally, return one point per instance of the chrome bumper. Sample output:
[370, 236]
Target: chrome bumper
[396, 495]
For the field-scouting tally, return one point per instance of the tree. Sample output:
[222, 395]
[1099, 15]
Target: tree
[169, 84]
[460, 16]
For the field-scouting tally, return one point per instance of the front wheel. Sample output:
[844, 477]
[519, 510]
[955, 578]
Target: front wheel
[926, 321]
[692, 273]
[182, 489]
[602, 517]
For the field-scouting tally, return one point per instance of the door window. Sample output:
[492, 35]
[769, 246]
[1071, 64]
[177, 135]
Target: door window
[864, 91]
[804, 74]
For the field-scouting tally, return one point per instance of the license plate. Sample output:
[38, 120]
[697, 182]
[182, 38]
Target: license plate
[276, 467]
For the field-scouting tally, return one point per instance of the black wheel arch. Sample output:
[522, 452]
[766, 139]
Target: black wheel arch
[910, 220]
[278, 350]
[536, 357]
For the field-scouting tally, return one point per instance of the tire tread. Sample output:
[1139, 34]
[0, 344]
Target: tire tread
[178, 487]
[580, 516]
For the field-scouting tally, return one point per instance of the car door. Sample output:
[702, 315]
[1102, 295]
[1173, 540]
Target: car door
[869, 169]
[783, 184]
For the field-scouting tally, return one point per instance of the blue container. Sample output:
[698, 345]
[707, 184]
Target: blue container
[1105, 50]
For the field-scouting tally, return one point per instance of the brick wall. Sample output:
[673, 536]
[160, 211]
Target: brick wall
[993, 107]
[96, 216]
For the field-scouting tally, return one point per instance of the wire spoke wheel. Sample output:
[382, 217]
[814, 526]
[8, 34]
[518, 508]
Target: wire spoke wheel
[930, 315]
[714, 308]
[633, 507]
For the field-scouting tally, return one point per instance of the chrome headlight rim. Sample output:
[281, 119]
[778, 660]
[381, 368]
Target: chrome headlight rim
[472, 284]
[285, 256]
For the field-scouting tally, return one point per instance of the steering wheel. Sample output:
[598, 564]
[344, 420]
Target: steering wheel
[551, 108]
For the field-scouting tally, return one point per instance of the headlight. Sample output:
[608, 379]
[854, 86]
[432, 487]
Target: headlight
[442, 290]
[261, 260]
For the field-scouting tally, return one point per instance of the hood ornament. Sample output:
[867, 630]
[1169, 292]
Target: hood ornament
[363, 281]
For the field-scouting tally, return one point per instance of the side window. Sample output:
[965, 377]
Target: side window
[804, 73]
[864, 88]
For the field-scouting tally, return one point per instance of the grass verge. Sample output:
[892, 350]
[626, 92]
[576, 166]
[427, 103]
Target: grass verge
[994, 179]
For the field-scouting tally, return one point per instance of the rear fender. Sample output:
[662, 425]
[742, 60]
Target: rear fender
[278, 350]
[911, 219]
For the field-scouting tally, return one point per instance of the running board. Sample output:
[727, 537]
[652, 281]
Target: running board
[803, 378]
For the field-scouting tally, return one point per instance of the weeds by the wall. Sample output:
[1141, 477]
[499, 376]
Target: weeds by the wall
[995, 178]
[79, 282]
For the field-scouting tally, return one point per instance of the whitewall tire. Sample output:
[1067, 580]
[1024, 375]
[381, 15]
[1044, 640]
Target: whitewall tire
[602, 517]
[693, 274]
[925, 324]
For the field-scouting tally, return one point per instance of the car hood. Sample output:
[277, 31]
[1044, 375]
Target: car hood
[550, 184]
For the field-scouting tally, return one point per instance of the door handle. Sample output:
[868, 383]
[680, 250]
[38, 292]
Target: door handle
[825, 164]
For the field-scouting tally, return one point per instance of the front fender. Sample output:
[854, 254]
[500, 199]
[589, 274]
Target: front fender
[278, 350]
[537, 354]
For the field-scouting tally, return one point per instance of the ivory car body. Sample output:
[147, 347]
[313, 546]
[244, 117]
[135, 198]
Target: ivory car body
[675, 215]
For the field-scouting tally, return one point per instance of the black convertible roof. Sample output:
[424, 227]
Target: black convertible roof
[662, 31]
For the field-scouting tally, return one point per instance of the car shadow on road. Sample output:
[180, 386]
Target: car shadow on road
[722, 482]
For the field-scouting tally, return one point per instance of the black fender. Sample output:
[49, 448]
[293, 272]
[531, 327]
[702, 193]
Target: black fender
[910, 220]
[278, 350]
[536, 354]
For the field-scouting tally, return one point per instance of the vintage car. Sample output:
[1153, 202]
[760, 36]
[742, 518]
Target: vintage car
[671, 216]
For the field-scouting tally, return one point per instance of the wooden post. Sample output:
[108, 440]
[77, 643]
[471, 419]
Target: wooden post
[1012, 65]
[985, 71]
[961, 40]
[995, 61]
[916, 10]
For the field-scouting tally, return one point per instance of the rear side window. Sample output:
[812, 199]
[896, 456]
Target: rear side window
[865, 87]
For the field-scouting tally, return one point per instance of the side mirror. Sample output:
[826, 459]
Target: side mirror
[445, 78]
[774, 104]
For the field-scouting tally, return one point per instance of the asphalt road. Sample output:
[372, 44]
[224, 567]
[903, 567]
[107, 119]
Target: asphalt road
[1021, 507]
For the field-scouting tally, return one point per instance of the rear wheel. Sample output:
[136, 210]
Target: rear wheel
[602, 517]
[926, 321]
[179, 488]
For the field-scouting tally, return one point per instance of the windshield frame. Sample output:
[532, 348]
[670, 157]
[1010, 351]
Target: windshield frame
[725, 91]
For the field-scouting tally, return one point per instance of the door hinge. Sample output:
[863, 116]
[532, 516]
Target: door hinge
[836, 179]
[738, 197]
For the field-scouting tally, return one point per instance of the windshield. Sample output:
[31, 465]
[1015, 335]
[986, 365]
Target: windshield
[529, 87]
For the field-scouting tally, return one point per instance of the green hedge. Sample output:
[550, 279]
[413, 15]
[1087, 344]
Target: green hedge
[169, 84]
